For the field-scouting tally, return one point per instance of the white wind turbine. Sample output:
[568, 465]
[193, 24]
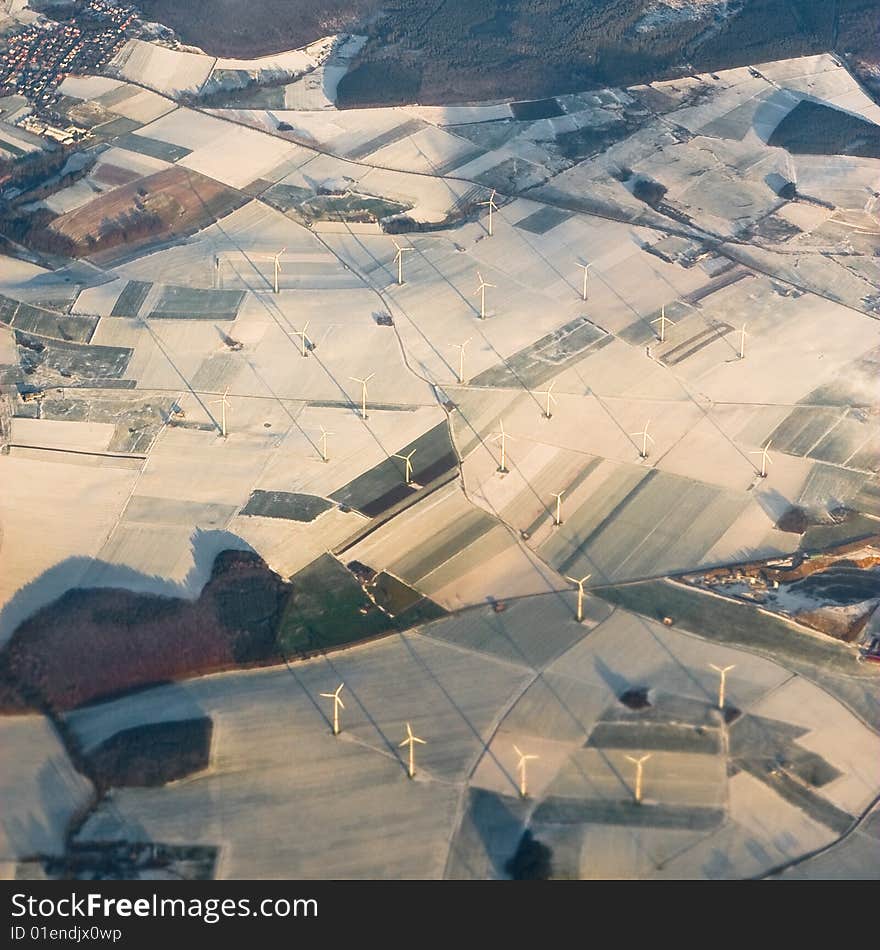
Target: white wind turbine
[407, 459]
[502, 437]
[580, 586]
[643, 452]
[742, 342]
[277, 261]
[664, 321]
[398, 259]
[765, 458]
[324, 433]
[337, 705]
[639, 763]
[411, 741]
[585, 266]
[521, 768]
[723, 671]
[363, 382]
[461, 347]
[558, 496]
[303, 338]
[224, 405]
[548, 392]
[491, 206]
[481, 290]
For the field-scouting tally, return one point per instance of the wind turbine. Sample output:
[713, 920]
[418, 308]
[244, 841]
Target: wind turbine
[558, 496]
[521, 768]
[723, 670]
[492, 207]
[409, 467]
[645, 436]
[481, 290]
[277, 260]
[639, 764]
[580, 586]
[461, 347]
[586, 269]
[302, 336]
[398, 259]
[765, 458]
[548, 392]
[503, 437]
[663, 320]
[363, 383]
[324, 433]
[337, 705]
[742, 342]
[224, 405]
[411, 741]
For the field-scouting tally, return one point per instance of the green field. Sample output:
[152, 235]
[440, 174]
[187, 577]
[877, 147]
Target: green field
[328, 608]
[727, 622]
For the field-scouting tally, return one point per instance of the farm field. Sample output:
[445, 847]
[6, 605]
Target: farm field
[294, 395]
[699, 819]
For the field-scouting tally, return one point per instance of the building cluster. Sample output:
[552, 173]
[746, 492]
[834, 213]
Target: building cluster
[36, 60]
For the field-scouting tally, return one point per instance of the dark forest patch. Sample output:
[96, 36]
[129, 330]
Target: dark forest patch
[464, 51]
[246, 615]
[531, 110]
[152, 754]
[533, 860]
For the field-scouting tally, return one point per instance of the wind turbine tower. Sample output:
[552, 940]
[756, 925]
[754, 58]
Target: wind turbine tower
[492, 207]
[586, 269]
[551, 399]
[461, 347]
[407, 459]
[521, 768]
[277, 261]
[224, 405]
[502, 436]
[303, 338]
[580, 586]
[363, 383]
[664, 321]
[723, 671]
[639, 763]
[324, 433]
[337, 705]
[481, 290]
[398, 259]
[558, 496]
[411, 741]
[765, 458]
[643, 452]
